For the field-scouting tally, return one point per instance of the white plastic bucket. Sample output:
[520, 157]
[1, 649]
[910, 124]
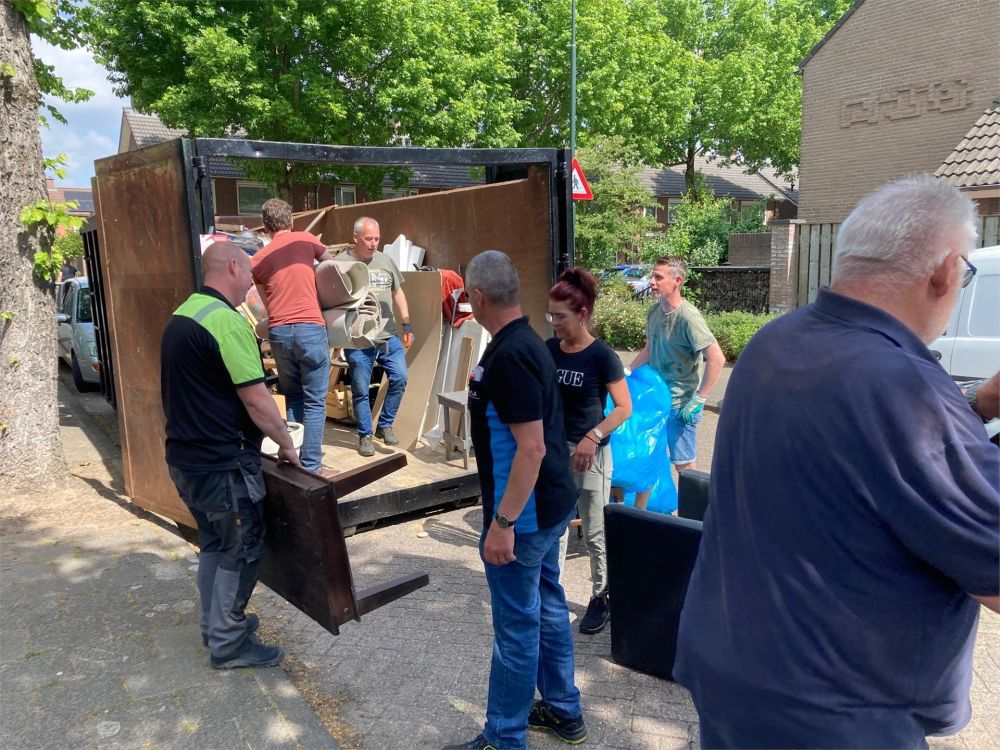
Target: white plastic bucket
[296, 430]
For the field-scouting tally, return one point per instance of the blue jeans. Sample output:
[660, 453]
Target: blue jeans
[682, 438]
[302, 353]
[392, 357]
[532, 639]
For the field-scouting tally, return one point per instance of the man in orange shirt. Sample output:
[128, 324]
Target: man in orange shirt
[286, 282]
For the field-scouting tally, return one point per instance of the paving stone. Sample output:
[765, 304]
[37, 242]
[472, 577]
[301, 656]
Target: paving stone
[168, 675]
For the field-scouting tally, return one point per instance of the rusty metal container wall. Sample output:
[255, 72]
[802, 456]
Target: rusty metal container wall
[147, 261]
[455, 225]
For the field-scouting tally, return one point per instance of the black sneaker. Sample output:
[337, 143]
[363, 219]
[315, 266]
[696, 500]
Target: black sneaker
[598, 614]
[251, 654]
[366, 447]
[543, 718]
[479, 743]
[386, 435]
[253, 622]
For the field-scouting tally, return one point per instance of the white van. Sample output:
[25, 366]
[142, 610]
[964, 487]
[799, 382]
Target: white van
[970, 347]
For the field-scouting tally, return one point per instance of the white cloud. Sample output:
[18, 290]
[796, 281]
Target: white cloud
[94, 125]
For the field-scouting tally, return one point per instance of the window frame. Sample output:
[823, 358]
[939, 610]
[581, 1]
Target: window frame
[250, 184]
[339, 190]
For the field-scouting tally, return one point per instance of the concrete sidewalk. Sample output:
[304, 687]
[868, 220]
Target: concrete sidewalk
[100, 644]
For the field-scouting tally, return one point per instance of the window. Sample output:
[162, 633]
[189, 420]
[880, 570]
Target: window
[653, 211]
[84, 312]
[69, 299]
[345, 195]
[984, 319]
[250, 196]
[406, 193]
[672, 204]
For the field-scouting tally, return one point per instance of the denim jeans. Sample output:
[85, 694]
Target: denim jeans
[302, 353]
[532, 639]
[392, 357]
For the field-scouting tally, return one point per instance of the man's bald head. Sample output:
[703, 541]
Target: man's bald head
[226, 268]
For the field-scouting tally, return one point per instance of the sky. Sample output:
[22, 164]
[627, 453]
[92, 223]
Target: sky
[93, 125]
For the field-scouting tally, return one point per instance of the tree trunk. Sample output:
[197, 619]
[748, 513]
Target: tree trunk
[30, 451]
[689, 170]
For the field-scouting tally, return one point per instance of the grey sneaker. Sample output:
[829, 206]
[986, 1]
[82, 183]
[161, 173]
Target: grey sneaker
[386, 435]
[365, 446]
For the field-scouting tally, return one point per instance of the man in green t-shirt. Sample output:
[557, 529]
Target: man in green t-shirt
[682, 349]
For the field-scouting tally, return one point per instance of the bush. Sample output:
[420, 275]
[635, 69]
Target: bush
[620, 320]
[733, 330]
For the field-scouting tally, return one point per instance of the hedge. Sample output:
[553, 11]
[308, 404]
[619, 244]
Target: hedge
[620, 322]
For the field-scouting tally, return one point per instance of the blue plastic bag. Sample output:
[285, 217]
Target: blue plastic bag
[662, 498]
[639, 446]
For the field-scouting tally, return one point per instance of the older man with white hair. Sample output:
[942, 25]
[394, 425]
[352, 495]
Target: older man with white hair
[853, 526]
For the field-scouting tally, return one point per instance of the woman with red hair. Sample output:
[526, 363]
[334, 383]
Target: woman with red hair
[587, 370]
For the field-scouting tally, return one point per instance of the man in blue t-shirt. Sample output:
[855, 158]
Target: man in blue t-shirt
[853, 527]
[528, 499]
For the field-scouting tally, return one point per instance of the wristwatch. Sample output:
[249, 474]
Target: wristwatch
[598, 433]
[970, 396]
[502, 521]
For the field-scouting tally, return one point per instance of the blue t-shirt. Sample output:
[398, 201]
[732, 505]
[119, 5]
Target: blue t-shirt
[854, 507]
[515, 382]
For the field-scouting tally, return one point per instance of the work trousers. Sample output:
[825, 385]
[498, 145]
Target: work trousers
[227, 506]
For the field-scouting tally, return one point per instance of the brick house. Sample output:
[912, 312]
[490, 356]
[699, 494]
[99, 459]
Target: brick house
[894, 88]
[238, 199]
[890, 90]
[778, 194]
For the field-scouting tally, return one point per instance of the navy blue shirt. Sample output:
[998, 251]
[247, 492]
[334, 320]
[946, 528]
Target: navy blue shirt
[515, 382]
[854, 506]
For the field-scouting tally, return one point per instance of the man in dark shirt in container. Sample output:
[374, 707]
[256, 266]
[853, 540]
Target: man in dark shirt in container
[528, 499]
[853, 527]
[217, 408]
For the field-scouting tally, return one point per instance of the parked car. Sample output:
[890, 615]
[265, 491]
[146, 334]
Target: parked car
[77, 345]
[607, 273]
[638, 277]
[970, 346]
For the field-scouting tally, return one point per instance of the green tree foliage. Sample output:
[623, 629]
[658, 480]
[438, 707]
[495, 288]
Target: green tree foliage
[366, 72]
[673, 78]
[58, 23]
[613, 222]
[702, 225]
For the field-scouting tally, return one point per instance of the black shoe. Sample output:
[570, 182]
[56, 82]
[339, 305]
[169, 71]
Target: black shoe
[386, 435]
[252, 654]
[543, 718]
[479, 743]
[253, 622]
[598, 614]
[366, 447]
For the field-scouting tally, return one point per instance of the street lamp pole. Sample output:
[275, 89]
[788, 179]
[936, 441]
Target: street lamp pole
[572, 119]
[572, 79]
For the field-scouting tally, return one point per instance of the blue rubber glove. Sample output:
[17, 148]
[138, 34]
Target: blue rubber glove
[692, 407]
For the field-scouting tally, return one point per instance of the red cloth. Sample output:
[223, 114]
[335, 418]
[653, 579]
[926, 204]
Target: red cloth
[450, 282]
[284, 268]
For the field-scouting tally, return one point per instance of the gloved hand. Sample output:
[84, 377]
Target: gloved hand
[407, 335]
[692, 407]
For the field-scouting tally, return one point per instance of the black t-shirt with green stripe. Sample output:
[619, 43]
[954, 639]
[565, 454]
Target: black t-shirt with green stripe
[208, 352]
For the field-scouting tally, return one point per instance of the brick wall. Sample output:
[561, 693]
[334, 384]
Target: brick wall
[750, 249]
[892, 92]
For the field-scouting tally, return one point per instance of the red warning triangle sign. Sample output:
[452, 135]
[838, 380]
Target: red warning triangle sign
[581, 189]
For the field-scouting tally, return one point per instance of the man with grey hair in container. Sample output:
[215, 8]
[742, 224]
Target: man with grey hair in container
[853, 525]
[528, 499]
